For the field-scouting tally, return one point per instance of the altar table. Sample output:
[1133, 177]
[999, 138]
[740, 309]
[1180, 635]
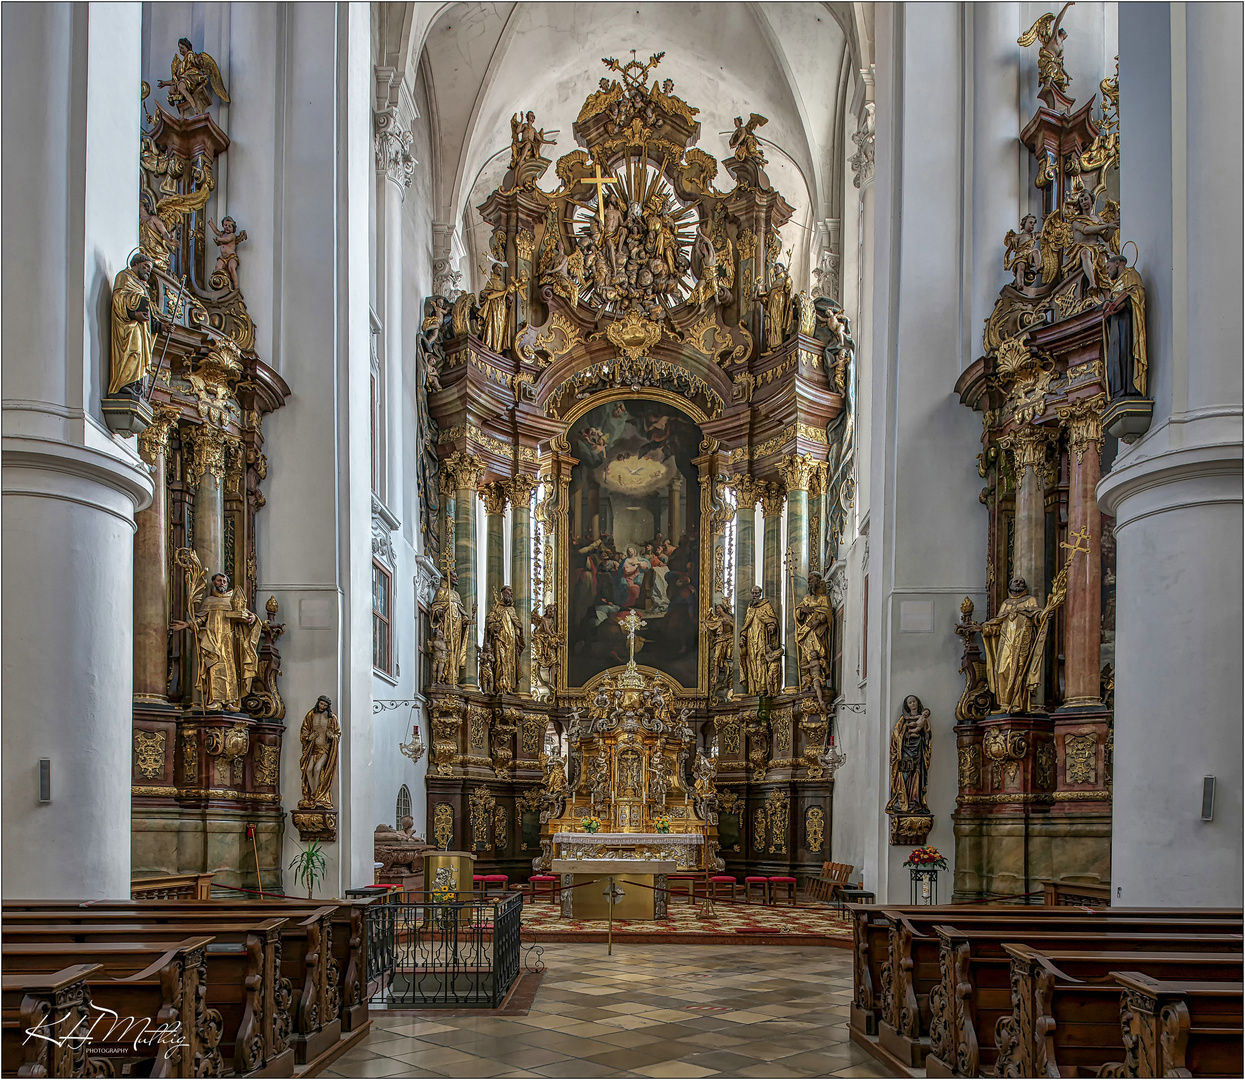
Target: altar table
[683, 849]
[639, 879]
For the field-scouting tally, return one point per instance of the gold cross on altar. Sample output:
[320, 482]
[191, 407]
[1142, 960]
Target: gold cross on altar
[600, 182]
[632, 622]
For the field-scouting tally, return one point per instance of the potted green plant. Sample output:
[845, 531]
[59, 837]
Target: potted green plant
[309, 866]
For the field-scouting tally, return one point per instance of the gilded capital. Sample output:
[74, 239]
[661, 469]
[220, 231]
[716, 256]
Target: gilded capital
[207, 446]
[155, 440]
[747, 491]
[463, 471]
[494, 497]
[1083, 422]
[525, 244]
[797, 470]
[1028, 446]
[772, 496]
[520, 488]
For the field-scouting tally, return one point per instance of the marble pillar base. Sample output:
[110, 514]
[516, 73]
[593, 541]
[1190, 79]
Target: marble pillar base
[176, 840]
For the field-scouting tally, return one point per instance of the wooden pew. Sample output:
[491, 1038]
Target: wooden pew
[1065, 1018]
[1069, 894]
[892, 978]
[150, 986]
[974, 992]
[172, 887]
[54, 1005]
[1172, 1028]
[244, 983]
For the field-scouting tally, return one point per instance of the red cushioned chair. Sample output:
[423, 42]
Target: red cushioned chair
[496, 881]
[680, 884]
[544, 883]
[761, 883]
[720, 881]
[477, 882]
[782, 880]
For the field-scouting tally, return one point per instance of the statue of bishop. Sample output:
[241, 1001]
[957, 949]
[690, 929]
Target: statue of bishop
[503, 633]
[757, 637]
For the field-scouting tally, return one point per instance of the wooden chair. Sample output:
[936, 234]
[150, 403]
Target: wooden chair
[832, 878]
[678, 884]
[761, 883]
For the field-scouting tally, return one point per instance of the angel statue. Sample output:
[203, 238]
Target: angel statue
[1022, 256]
[1049, 31]
[744, 140]
[227, 239]
[226, 635]
[193, 73]
[526, 140]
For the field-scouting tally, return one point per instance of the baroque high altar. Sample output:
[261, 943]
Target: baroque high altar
[635, 376]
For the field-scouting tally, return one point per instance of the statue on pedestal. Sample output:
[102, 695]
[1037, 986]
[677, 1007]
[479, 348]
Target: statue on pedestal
[546, 657]
[503, 634]
[757, 636]
[1015, 642]
[1124, 330]
[911, 743]
[135, 325]
[226, 636]
[812, 636]
[320, 735]
[448, 618]
[720, 628]
[778, 306]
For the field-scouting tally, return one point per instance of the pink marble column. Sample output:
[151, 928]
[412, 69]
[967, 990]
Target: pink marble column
[1083, 627]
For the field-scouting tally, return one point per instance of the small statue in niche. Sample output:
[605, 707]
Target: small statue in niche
[704, 793]
[448, 615]
[320, 735]
[720, 628]
[757, 635]
[599, 785]
[135, 325]
[193, 74]
[1124, 331]
[226, 636]
[487, 680]
[812, 637]
[773, 670]
[440, 655]
[555, 774]
[1022, 256]
[658, 777]
[503, 635]
[911, 742]
[227, 239]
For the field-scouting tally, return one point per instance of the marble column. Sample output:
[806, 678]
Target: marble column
[745, 553]
[71, 488]
[677, 528]
[772, 501]
[520, 491]
[465, 472]
[1028, 446]
[1176, 494]
[205, 473]
[797, 472]
[494, 498]
[1082, 669]
[151, 570]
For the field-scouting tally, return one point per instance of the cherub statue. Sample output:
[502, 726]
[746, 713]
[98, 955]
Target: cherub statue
[744, 140]
[193, 74]
[1049, 31]
[1022, 256]
[227, 239]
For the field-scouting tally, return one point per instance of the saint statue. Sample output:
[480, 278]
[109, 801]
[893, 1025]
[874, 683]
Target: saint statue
[320, 735]
[555, 774]
[546, 657]
[193, 74]
[495, 328]
[1015, 642]
[226, 636]
[448, 616]
[910, 751]
[658, 777]
[1124, 330]
[757, 637]
[720, 628]
[503, 633]
[812, 636]
[134, 327]
[778, 306]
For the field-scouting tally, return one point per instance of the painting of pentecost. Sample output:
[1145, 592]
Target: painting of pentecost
[635, 540]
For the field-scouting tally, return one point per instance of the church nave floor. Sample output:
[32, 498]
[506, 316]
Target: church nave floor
[649, 1010]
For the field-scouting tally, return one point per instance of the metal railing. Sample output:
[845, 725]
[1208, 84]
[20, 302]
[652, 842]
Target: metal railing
[449, 955]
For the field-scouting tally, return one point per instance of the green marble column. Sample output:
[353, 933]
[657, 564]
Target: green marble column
[520, 491]
[494, 498]
[745, 554]
[797, 471]
[466, 473]
[771, 548]
[819, 557]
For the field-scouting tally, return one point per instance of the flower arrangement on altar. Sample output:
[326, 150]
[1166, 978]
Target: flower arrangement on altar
[926, 858]
[591, 824]
[662, 824]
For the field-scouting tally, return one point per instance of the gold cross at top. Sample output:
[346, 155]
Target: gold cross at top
[600, 182]
[632, 622]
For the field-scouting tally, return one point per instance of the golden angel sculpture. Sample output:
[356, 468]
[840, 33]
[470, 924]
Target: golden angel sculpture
[226, 636]
[320, 735]
[134, 326]
[744, 139]
[193, 75]
[1049, 31]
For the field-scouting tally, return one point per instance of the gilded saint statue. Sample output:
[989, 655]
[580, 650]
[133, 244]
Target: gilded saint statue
[503, 634]
[1015, 642]
[812, 636]
[448, 617]
[495, 328]
[911, 742]
[546, 656]
[226, 636]
[778, 306]
[1124, 331]
[193, 74]
[757, 639]
[134, 327]
[320, 735]
[720, 627]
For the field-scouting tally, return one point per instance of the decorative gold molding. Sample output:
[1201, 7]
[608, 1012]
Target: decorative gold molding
[204, 793]
[155, 440]
[796, 471]
[494, 497]
[149, 752]
[1083, 421]
[525, 244]
[463, 471]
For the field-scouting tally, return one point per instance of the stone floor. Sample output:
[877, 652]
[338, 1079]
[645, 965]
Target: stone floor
[649, 1010]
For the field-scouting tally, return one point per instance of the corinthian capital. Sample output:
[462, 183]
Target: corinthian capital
[746, 490]
[797, 471]
[1083, 422]
[462, 471]
[393, 148]
[520, 488]
[1028, 446]
[772, 496]
[494, 497]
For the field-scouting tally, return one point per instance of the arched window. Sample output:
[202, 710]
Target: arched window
[404, 805]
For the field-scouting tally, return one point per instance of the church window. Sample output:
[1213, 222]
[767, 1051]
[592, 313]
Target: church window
[836, 654]
[382, 619]
[404, 806]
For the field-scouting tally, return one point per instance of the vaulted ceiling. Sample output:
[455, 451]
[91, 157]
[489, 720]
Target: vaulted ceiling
[795, 63]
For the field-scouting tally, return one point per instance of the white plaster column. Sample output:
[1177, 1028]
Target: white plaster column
[70, 488]
[1176, 494]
